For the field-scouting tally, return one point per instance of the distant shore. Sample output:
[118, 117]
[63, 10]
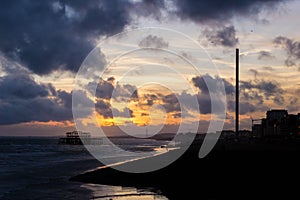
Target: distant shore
[232, 170]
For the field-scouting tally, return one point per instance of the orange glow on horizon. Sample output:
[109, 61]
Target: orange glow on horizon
[51, 123]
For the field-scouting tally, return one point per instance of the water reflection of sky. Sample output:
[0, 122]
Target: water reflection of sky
[120, 193]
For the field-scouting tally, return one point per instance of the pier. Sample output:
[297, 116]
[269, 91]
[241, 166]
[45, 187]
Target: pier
[79, 138]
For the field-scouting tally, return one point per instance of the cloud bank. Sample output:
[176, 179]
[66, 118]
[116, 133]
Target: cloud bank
[48, 35]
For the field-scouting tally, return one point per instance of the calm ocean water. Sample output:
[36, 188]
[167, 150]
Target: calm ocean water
[39, 168]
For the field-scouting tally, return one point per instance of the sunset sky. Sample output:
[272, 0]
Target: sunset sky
[44, 43]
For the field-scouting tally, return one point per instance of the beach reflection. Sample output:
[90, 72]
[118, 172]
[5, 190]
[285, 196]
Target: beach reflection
[104, 192]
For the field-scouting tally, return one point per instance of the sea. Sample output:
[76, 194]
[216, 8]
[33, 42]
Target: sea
[40, 168]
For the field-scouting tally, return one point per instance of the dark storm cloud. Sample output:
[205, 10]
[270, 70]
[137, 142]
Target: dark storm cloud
[270, 90]
[291, 47]
[37, 109]
[200, 83]
[65, 98]
[215, 83]
[48, 35]
[105, 109]
[125, 92]
[244, 107]
[21, 86]
[153, 41]
[149, 8]
[106, 89]
[171, 103]
[203, 97]
[264, 55]
[203, 10]
[252, 96]
[225, 37]
[204, 102]
[57, 34]
[24, 100]
[126, 112]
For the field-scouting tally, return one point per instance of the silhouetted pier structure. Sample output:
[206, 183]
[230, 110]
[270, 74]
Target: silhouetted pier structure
[79, 138]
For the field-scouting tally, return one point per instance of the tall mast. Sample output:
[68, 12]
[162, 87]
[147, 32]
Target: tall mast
[237, 77]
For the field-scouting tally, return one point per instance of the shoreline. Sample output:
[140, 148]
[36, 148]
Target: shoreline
[127, 161]
[253, 169]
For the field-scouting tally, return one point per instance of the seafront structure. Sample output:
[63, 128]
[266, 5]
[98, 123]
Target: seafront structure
[278, 123]
[79, 138]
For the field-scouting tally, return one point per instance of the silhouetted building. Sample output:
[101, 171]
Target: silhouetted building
[257, 130]
[298, 123]
[292, 124]
[297, 128]
[278, 123]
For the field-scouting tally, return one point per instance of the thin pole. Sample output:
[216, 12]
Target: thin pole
[237, 94]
